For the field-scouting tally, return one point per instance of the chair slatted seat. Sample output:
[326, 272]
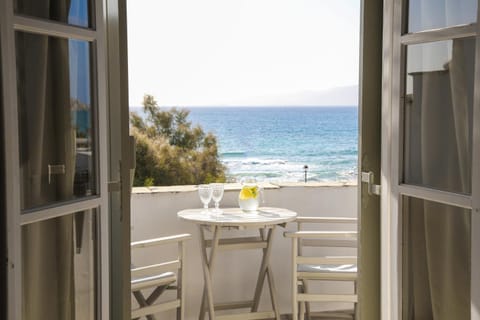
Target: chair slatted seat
[157, 278]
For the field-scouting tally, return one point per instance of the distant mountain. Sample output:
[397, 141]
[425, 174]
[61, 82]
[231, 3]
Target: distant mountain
[339, 96]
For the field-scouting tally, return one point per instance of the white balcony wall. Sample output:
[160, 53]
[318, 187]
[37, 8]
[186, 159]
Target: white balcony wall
[154, 215]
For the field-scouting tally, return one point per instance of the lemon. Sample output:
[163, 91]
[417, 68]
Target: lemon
[254, 191]
[245, 194]
[248, 193]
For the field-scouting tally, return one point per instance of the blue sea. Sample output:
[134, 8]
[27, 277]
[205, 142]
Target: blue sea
[275, 143]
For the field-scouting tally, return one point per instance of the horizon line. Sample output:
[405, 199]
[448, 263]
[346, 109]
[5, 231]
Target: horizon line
[255, 106]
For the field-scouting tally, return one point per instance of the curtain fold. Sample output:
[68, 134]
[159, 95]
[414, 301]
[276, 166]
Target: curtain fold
[438, 236]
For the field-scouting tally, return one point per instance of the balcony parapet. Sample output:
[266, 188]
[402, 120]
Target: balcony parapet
[237, 186]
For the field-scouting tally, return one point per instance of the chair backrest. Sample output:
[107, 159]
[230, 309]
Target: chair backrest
[159, 277]
[334, 232]
[329, 235]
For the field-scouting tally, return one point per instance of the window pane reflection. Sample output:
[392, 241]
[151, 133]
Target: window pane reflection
[74, 12]
[59, 268]
[438, 115]
[434, 14]
[436, 260]
[56, 131]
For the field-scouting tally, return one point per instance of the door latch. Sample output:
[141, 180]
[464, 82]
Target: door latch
[54, 169]
[372, 188]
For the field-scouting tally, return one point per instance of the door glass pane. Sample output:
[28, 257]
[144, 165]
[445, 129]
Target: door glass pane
[434, 14]
[74, 12]
[438, 114]
[57, 158]
[59, 268]
[436, 260]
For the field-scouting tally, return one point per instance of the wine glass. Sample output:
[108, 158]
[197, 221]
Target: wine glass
[205, 194]
[217, 195]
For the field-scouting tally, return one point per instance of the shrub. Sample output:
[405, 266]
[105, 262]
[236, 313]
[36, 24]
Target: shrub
[169, 151]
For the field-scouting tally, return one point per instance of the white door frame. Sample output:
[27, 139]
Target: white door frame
[392, 188]
[121, 148]
[369, 144]
[389, 303]
[12, 178]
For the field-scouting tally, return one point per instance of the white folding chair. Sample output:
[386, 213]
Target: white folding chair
[155, 279]
[331, 267]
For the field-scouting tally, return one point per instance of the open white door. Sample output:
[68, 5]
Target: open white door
[56, 169]
[63, 143]
[430, 155]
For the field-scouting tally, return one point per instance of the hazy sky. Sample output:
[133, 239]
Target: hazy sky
[230, 52]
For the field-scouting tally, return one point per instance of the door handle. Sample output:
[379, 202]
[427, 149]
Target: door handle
[372, 188]
[55, 169]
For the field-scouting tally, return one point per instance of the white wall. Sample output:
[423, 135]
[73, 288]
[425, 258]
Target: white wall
[154, 215]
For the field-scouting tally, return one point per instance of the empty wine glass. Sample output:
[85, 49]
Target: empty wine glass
[217, 195]
[205, 194]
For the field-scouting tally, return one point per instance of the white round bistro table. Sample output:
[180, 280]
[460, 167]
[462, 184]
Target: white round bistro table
[265, 220]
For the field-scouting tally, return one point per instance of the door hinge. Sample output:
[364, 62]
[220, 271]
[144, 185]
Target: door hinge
[368, 178]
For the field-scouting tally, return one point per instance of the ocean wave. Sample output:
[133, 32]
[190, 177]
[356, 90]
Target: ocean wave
[233, 154]
[256, 161]
[279, 170]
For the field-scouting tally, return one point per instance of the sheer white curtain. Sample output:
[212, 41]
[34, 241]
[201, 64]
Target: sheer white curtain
[437, 260]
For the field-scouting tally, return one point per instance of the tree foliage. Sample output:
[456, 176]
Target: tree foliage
[169, 151]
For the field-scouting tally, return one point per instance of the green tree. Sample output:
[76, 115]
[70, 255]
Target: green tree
[170, 151]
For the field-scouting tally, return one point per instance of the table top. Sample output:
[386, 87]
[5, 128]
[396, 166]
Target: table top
[235, 217]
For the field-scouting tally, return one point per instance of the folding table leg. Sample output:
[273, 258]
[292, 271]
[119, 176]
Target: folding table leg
[264, 270]
[273, 295]
[208, 265]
